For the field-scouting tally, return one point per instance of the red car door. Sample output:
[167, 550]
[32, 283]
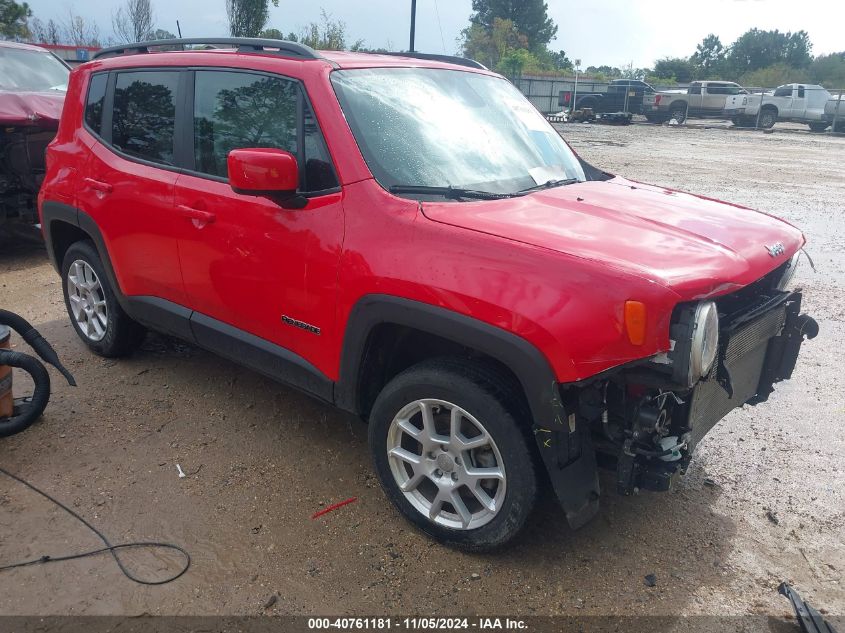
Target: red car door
[128, 187]
[246, 261]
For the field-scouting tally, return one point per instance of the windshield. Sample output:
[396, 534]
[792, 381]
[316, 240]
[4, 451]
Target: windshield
[31, 70]
[426, 127]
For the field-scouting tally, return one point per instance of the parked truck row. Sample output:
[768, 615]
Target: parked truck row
[810, 104]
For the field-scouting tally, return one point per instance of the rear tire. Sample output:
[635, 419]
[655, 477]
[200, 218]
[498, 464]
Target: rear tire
[678, 111]
[92, 305]
[415, 447]
[768, 118]
[818, 127]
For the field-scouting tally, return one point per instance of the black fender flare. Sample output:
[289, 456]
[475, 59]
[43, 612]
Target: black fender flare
[567, 452]
[52, 212]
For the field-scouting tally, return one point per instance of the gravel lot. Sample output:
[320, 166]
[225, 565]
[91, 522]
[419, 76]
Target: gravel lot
[764, 500]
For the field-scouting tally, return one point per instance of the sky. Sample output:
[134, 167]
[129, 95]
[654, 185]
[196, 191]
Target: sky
[598, 32]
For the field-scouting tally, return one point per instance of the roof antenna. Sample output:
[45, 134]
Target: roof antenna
[179, 29]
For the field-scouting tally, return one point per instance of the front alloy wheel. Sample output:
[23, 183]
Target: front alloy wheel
[446, 464]
[449, 439]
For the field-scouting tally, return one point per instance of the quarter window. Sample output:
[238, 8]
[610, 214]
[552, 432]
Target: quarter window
[145, 114]
[94, 104]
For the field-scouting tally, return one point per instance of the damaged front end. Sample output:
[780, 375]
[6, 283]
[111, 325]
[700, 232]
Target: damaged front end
[645, 419]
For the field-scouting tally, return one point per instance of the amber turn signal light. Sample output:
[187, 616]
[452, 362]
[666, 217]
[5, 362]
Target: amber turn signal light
[635, 321]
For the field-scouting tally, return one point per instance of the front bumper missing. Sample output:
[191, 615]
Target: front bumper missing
[753, 356]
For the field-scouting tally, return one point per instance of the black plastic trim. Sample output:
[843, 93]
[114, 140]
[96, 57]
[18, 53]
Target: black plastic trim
[161, 315]
[530, 366]
[260, 355]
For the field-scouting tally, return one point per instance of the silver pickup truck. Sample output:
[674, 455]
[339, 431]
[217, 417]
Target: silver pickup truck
[801, 103]
[702, 99]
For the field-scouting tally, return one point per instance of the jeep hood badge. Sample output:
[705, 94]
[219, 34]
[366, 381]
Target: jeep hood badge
[775, 249]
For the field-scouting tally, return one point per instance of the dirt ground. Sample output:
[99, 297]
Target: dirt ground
[764, 499]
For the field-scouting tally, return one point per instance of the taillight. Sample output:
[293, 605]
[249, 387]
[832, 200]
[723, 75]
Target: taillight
[657, 100]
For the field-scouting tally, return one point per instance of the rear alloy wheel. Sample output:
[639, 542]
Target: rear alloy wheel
[451, 456]
[92, 305]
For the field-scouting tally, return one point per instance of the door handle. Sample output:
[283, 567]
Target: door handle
[98, 185]
[196, 214]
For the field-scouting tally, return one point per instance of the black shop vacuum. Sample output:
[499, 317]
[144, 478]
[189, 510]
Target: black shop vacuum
[16, 414]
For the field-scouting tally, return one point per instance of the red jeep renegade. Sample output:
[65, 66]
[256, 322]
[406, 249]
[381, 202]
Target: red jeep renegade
[407, 238]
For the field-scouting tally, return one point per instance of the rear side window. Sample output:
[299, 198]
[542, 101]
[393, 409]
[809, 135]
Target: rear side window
[94, 103]
[801, 92]
[144, 114]
[783, 92]
[695, 89]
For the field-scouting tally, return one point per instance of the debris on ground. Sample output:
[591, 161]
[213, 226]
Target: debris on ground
[771, 516]
[271, 601]
[334, 506]
[650, 580]
[179, 470]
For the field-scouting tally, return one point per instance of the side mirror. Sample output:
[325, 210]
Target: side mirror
[268, 172]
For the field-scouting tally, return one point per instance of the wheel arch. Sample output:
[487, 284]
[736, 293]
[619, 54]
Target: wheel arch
[378, 323]
[64, 225]
[567, 453]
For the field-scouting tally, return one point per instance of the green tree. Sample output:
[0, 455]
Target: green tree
[828, 70]
[490, 46]
[13, 19]
[162, 34]
[327, 35]
[678, 68]
[248, 17]
[756, 49]
[529, 17]
[775, 75]
[709, 57]
[272, 34]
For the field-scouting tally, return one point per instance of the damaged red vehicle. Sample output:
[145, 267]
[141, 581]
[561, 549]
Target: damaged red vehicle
[33, 83]
[408, 239]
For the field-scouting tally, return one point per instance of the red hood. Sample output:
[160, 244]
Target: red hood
[693, 245]
[40, 109]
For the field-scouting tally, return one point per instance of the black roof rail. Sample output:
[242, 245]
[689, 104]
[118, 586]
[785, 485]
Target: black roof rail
[448, 59]
[242, 44]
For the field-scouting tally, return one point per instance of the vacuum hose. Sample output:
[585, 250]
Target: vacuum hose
[26, 411]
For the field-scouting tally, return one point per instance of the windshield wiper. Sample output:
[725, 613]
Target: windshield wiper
[451, 193]
[548, 185]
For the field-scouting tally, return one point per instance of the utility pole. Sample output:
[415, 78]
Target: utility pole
[413, 24]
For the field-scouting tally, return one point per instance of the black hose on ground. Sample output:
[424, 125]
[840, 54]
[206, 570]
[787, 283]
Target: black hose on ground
[36, 341]
[28, 412]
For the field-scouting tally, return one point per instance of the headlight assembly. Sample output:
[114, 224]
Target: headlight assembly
[696, 337]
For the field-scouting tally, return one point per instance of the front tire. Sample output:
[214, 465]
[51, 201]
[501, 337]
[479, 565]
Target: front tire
[451, 455]
[92, 305]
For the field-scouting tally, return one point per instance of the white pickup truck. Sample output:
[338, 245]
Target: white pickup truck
[834, 113]
[801, 103]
